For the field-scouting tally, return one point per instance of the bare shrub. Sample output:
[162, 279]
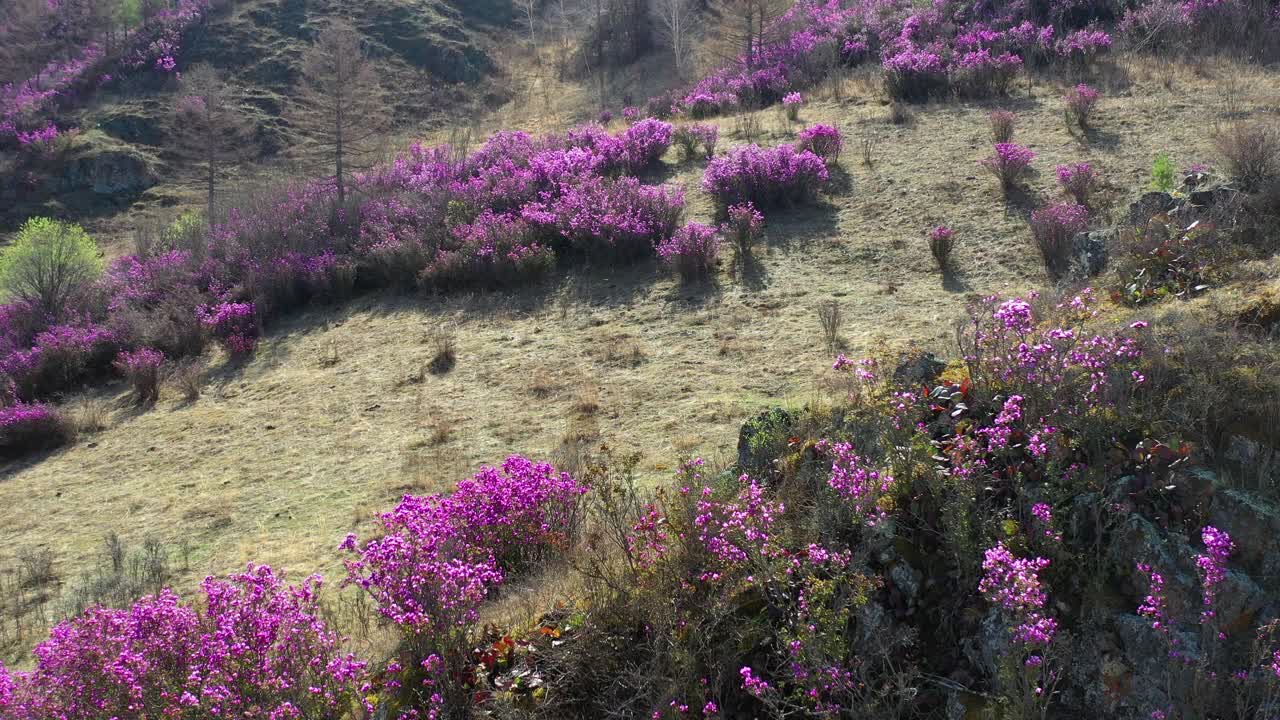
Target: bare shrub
[444, 351]
[747, 127]
[899, 113]
[188, 378]
[831, 318]
[868, 142]
[542, 384]
[1003, 123]
[123, 574]
[90, 416]
[35, 567]
[1252, 153]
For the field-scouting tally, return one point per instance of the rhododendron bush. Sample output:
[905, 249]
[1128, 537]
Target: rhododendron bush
[766, 177]
[498, 217]
[257, 648]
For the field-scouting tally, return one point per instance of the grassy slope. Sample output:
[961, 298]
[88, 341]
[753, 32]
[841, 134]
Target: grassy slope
[283, 456]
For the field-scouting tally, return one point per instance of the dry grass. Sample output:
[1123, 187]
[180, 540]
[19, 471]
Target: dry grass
[282, 456]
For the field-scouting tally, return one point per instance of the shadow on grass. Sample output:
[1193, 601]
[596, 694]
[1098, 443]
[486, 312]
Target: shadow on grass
[696, 293]
[750, 273]
[954, 282]
[800, 225]
[1096, 137]
[1021, 201]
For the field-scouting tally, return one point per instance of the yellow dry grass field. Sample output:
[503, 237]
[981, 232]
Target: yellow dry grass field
[339, 414]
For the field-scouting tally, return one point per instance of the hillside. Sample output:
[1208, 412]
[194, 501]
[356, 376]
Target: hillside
[433, 55]
[335, 396]
[918, 363]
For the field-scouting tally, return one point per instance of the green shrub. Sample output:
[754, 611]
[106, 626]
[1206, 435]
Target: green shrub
[49, 263]
[1162, 174]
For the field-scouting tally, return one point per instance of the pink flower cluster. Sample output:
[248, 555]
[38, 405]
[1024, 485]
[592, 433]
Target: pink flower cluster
[824, 141]
[736, 533]
[692, 250]
[862, 488]
[1080, 101]
[772, 177]
[744, 226]
[25, 427]
[1014, 585]
[234, 323]
[1212, 565]
[1010, 162]
[257, 648]
[1079, 180]
[441, 556]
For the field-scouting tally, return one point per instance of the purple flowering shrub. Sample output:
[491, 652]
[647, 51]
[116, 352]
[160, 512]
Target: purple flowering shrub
[1009, 163]
[141, 368]
[257, 648]
[610, 219]
[644, 144]
[1202, 677]
[57, 357]
[26, 428]
[942, 240]
[1082, 47]
[691, 251]
[1054, 228]
[494, 250]
[824, 141]
[441, 557]
[772, 177]
[1013, 585]
[1080, 101]
[914, 74]
[1079, 180]
[234, 324]
[979, 73]
[744, 226]
[792, 102]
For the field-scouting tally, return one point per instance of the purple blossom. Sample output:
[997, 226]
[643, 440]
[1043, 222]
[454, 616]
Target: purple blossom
[1010, 162]
[824, 141]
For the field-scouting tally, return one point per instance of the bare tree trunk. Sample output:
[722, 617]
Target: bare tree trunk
[600, 49]
[337, 156]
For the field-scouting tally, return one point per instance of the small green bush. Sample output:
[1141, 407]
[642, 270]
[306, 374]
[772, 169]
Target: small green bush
[1162, 174]
[49, 263]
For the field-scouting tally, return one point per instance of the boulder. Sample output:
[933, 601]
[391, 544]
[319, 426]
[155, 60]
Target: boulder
[1089, 252]
[918, 368]
[1150, 205]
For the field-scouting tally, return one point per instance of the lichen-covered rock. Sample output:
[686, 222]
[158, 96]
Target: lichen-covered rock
[1089, 252]
[918, 368]
[1150, 205]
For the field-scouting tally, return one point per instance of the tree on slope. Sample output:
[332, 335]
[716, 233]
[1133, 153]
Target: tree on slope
[340, 107]
[49, 264]
[675, 19]
[213, 128]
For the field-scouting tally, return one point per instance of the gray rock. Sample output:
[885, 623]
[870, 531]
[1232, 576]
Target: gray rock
[919, 368]
[1149, 206]
[907, 579]
[1089, 252]
[1254, 525]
